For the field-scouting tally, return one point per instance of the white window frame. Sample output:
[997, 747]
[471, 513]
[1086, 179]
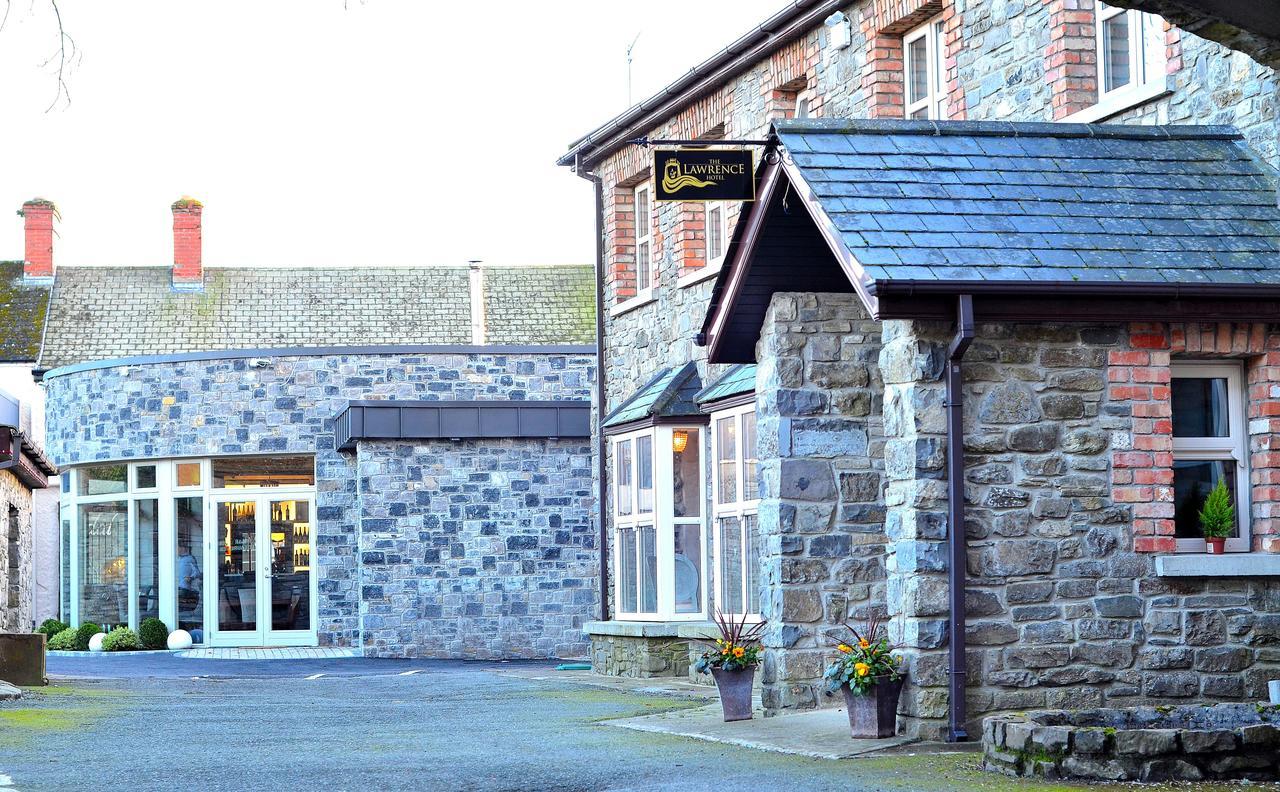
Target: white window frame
[739, 507]
[934, 102]
[643, 238]
[1147, 65]
[1234, 447]
[663, 520]
[804, 104]
[721, 236]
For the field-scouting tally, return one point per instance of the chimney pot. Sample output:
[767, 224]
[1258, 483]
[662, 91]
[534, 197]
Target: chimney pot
[38, 215]
[188, 267]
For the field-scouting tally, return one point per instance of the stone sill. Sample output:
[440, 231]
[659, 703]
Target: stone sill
[698, 276]
[626, 306]
[637, 629]
[1119, 102]
[1227, 565]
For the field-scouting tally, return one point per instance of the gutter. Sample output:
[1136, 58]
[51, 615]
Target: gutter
[774, 32]
[958, 555]
[910, 288]
[601, 398]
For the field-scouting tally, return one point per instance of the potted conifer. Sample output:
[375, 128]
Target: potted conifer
[870, 676]
[731, 660]
[1217, 519]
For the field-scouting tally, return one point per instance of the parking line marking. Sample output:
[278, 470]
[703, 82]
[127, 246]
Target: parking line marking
[5, 781]
[315, 676]
[410, 673]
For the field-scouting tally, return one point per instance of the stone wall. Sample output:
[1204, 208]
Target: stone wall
[476, 549]
[821, 512]
[286, 404]
[17, 583]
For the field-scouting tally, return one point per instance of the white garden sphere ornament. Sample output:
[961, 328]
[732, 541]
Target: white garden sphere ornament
[95, 643]
[179, 639]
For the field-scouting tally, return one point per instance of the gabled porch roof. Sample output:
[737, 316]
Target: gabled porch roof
[1145, 222]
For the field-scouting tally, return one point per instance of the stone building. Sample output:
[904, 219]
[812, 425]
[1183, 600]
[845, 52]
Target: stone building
[24, 471]
[385, 459]
[1011, 267]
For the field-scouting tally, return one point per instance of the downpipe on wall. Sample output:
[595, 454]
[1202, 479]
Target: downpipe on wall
[957, 555]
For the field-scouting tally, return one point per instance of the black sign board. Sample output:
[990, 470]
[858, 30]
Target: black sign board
[704, 175]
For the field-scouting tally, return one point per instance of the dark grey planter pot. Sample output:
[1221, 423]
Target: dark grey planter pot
[874, 715]
[735, 692]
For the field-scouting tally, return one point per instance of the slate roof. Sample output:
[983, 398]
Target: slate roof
[671, 393]
[740, 378]
[997, 201]
[23, 307]
[110, 312]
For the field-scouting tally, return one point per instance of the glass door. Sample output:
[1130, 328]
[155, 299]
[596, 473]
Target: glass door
[263, 583]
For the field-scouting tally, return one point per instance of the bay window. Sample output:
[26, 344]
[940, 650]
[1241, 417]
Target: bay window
[660, 558]
[1209, 445]
[736, 500]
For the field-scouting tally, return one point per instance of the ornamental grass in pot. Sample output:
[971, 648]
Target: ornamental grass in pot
[731, 660]
[870, 676]
[1217, 519]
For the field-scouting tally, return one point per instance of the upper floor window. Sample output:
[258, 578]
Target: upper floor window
[644, 236]
[1129, 53]
[926, 85]
[737, 498]
[1209, 445]
[717, 233]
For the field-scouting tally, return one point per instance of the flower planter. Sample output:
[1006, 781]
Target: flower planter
[735, 692]
[875, 714]
[1216, 545]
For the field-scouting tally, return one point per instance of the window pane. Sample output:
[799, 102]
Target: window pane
[939, 78]
[189, 570]
[917, 69]
[1200, 407]
[648, 569]
[146, 526]
[187, 474]
[688, 568]
[103, 479]
[726, 454]
[644, 474]
[144, 477]
[1115, 51]
[752, 529]
[715, 232]
[642, 214]
[750, 487]
[686, 473]
[65, 550]
[290, 562]
[730, 568]
[624, 477]
[627, 570]
[104, 584]
[237, 566]
[642, 265]
[283, 471]
[1192, 482]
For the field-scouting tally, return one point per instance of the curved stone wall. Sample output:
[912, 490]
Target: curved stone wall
[534, 558]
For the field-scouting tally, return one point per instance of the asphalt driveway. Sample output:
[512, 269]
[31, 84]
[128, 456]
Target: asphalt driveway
[171, 723]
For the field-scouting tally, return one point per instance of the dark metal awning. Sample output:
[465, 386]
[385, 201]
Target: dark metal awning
[460, 420]
[668, 395]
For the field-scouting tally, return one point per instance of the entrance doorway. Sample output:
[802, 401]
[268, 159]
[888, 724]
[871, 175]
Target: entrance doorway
[260, 550]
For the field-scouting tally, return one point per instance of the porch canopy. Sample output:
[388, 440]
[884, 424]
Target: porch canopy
[1037, 221]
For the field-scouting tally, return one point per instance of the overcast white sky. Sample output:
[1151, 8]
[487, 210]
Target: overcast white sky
[391, 132]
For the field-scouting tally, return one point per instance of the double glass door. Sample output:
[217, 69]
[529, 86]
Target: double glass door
[260, 552]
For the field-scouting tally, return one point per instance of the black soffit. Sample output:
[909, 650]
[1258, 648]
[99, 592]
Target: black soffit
[461, 420]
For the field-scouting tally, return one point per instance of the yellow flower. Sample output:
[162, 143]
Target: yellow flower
[862, 668]
[738, 651]
[845, 648]
[725, 650]
[720, 642]
[864, 643]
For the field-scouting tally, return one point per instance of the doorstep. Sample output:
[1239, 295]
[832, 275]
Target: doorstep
[818, 734]
[642, 629]
[241, 653]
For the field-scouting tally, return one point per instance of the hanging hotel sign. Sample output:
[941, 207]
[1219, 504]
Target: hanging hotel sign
[704, 175]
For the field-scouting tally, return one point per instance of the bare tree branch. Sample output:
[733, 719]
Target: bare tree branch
[66, 49]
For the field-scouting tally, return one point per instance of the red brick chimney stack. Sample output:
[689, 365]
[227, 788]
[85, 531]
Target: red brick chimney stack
[38, 214]
[188, 268]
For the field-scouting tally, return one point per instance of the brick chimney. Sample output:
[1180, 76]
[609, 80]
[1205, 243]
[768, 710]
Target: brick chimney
[188, 269]
[38, 214]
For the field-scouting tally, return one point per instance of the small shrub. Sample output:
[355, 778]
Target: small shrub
[51, 627]
[153, 633]
[1218, 518]
[121, 639]
[86, 631]
[64, 641]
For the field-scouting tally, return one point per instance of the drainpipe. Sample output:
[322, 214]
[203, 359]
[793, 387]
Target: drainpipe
[601, 400]
[958, 557]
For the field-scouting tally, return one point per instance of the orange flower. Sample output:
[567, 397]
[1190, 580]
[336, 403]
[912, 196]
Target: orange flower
[864, 643]
[862, 668]
[738, 651]
[845, 648]
[725, 650]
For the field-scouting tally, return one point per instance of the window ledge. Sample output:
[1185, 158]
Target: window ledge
[1119, 102]
[1227, 565]
[698, 276]
[653, 629]
[643, 298]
